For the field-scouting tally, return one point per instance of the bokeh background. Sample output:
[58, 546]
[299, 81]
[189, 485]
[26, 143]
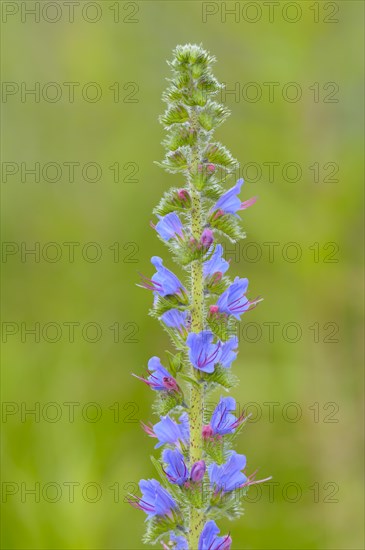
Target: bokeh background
[82, 450]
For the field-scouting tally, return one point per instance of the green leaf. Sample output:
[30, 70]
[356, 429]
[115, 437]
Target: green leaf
[162, 304]
[171, 202]
[229, 226]
[222, 377]
[190, 379]
[177, 339]
[166, 402]
[222, 326]
[176, 161]
[176, 362]
[228, 506]
[213, 191]
[193, 97]
[180, 136]
[217, 287]
[199, 179]
[182, 80]
[207, 83]
[176, 114]
[203, 177]
[214, 450]
[216, 153]
[186, 251]
[212, 115]
[195, 495]
[158, 526]
[172, 95]
[158, 465]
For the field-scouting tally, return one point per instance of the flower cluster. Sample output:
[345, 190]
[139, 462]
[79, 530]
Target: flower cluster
[201, 477]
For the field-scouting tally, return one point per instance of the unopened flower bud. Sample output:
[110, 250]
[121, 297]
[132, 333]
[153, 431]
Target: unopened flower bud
[210, 168]
[217, 277]
[207, 432]
[218, 214]
[207, 237]
[213, 310]
[198, 471]
[183, 195]
[248, 203]
[170, 384]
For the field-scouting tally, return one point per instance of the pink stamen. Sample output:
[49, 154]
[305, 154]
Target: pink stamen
[142, 379]
[148, 429]
[251, 480]
[149, 284]
[137, 503]
[240, 420]
[209, 358]
[248, 203]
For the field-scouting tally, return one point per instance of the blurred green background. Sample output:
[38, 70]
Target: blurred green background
[82, 450]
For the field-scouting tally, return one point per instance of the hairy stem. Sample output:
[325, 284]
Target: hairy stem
[197, 325]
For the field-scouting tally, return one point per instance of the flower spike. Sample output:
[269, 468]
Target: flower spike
[202, 477]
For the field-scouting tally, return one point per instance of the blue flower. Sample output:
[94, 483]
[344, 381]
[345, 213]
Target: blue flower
[169, 226]
[228, 354]
[155, 500]
[216, 264]
[223, 421]
[170, 432]
[159, 378]
[229, 203]
[210, 541]
[174, 318]
[202, 353]
[228, 476]
[176, 469]
[233, 301]
[180, 543]
[163, 282]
